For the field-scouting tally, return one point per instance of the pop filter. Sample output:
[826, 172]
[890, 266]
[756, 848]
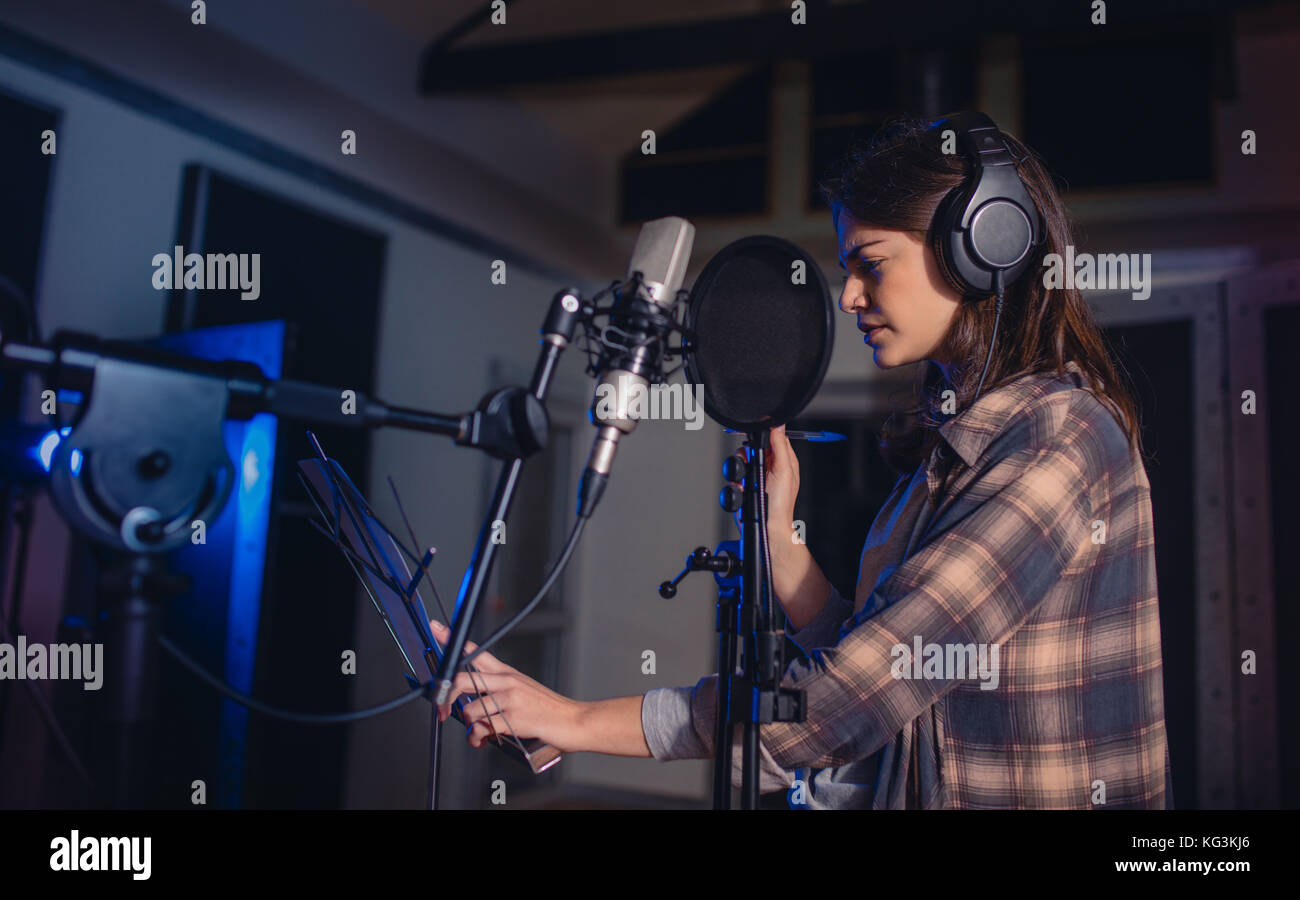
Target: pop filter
[761, 328]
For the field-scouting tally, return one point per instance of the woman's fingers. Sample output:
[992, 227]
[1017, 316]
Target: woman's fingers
[442, 632]
[479, 735]
[485, 661]
[512, 704]
[473, 683]
[783, 464]
[786, 449]
[787, 461]
[779, 453]
[782, 467]
[486, 716]
[782, 453]
[491, 710]
[478, 683]
[777, 444]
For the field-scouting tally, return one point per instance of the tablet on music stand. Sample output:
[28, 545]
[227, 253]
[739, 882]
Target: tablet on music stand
[383, 564]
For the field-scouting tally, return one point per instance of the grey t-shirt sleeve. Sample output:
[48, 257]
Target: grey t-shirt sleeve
[678, 724]
[666, 721]
[678, 721]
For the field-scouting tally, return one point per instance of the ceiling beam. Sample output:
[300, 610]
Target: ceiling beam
[830, 30]
[470, 22]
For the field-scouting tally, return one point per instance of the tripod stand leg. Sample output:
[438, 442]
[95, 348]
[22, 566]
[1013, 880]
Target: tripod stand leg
[130, 680]
[749, 794]
[135, 588]
[725, 724]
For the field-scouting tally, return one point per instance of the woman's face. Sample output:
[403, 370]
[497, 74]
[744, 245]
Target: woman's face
[894, 282]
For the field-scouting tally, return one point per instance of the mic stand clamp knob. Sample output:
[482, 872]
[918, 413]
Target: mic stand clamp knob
[723, 563]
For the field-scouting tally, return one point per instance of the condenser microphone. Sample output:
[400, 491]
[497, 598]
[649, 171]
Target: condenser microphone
[639, 325]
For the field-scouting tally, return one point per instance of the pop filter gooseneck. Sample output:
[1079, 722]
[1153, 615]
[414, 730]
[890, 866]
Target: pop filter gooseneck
[759, 330]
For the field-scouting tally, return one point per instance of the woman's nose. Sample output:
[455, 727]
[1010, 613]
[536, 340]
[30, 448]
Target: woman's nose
[850, 298]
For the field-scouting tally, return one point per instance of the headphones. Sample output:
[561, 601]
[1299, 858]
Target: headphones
[988, 224]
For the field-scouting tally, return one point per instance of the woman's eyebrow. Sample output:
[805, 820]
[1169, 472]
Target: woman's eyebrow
[856, 247]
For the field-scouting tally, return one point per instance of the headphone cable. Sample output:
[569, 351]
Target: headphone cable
[997, 317]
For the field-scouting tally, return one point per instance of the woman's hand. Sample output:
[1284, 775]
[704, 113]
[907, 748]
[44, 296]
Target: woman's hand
[782, 490]
[511, 703]
[798, 582]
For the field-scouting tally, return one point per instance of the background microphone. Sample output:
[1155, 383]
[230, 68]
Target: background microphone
[635, 342]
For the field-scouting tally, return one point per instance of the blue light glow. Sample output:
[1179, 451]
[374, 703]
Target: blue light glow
[44, 451]
[251, 471]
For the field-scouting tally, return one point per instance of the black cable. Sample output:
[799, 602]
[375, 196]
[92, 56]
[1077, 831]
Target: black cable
[765, 556]
[52, 723]
[23, 513]
[997, 317]
[424, 690]
[8, 491]
[569, 546]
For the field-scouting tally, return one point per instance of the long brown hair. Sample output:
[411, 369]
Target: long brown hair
[896, 181]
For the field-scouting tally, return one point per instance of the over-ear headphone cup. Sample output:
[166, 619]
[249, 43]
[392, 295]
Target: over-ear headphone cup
[942, 236]
[1005, 225]
[1000, 235]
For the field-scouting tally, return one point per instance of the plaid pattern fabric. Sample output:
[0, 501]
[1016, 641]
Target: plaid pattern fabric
[1041, 544]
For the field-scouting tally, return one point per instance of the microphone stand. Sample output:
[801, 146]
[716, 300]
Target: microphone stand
[725, 564]
[745, 610]
[153, 418]
[557, 331]
[757, 696]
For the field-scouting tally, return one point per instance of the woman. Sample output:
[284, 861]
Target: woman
[1003, 646]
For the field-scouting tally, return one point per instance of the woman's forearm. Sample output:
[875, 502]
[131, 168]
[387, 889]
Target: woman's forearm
[611, 726]
[799, 583]
[614, 726]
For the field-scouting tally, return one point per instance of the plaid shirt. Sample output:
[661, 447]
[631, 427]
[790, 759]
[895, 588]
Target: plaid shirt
[1041, 543]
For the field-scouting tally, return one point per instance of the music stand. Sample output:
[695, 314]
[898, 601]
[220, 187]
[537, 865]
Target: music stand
[380, 561]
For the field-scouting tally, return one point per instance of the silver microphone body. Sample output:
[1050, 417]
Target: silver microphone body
[657, 270]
